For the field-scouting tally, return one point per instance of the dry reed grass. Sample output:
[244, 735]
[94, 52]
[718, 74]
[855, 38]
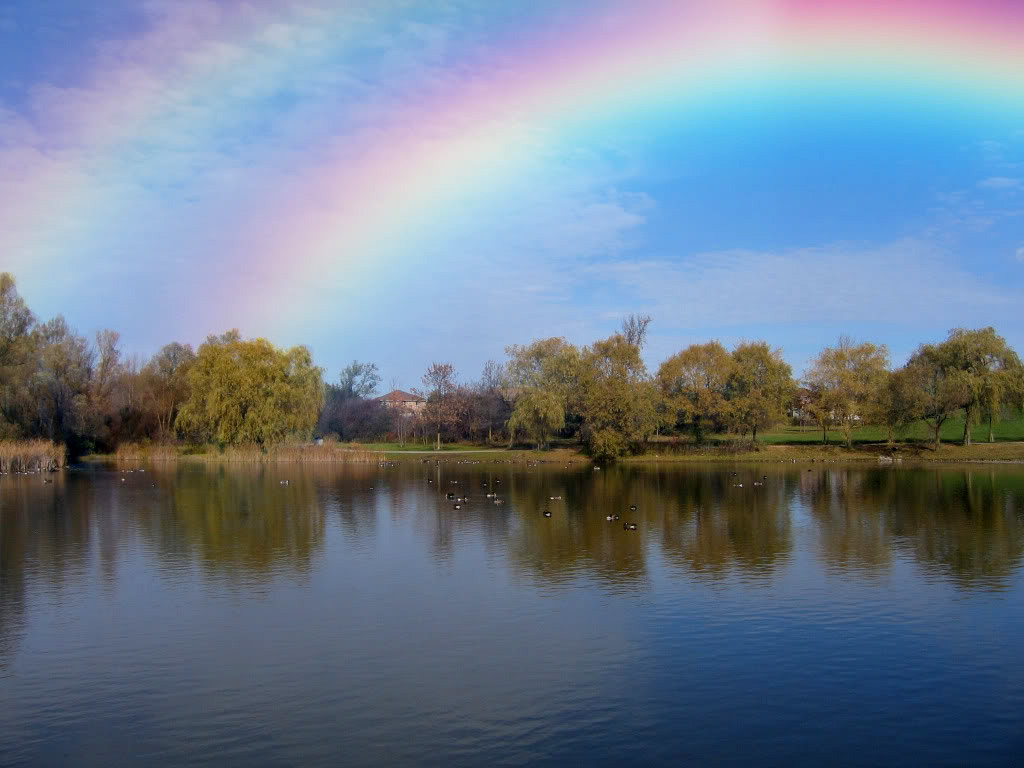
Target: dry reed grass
[328, 452]
[31, 456]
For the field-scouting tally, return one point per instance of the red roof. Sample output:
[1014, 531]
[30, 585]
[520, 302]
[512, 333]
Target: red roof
[398, 396]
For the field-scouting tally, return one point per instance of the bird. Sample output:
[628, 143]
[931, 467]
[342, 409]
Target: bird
[609, 517]
[284, 482]
[556, 498]
[737, 485]
[449, 495]
[547, 513]
[616, 517]
[371, 487]
[456, 506]
[632, 526]
[499, 501]
[632, 507]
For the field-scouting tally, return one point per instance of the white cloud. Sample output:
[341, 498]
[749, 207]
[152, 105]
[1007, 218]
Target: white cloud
[999, 182]
[907, 281]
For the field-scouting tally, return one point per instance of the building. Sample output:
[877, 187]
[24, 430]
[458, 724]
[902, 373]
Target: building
[404, 400]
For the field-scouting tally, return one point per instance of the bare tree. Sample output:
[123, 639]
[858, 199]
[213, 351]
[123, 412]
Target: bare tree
[634, 328]
[439, 384]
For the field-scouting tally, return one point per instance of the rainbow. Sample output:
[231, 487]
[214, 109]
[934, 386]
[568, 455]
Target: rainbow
[368, 191]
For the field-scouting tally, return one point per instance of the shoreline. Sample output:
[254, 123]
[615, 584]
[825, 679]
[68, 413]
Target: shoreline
[1005, 453]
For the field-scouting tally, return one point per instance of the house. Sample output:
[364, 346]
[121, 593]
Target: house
[404, 400]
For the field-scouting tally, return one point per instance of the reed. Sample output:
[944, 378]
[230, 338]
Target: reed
[298, 453]
[32, 456]
[135, 453]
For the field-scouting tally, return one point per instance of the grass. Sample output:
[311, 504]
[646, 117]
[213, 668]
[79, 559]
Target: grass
[1007, 430]
[132, 453]
[31, 456]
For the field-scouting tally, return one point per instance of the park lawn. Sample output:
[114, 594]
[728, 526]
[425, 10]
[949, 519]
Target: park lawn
[1008, 430]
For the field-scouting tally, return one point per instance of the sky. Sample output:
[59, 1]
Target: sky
[404, 182]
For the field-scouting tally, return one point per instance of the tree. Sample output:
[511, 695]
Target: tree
[759, 386]
[849, 378]
[58, 387]
[634, 329]
[251, 392]
[17, 350]
[941, 391]
[693, 383]
[537, 414]
[165, 379]
[491, 388]
[900, 403]
[442, 408]
[551, 365]
[358, 380]
[617, 398]
[981, 359]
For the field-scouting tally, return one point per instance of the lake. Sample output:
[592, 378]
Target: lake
[214, 615]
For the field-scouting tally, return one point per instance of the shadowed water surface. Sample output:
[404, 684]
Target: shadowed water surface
[215, 616]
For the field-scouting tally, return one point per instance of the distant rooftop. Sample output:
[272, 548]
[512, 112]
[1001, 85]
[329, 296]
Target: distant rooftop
[398, 396]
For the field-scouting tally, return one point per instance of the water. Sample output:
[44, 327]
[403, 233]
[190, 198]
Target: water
[214, 616]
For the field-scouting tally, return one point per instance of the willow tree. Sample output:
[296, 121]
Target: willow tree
[759, 386]
[942, 391]
[545, 365]
[849, 378]
[537, 415]
[693, 383]
[251, 392]
[984, 362]
[617, 398]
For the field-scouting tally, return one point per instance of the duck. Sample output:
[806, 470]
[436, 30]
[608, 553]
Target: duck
[499, 501]
[490, 495]
[556, 498]
[737, 485]
[632, 507]
[449, 495]
[609, 518]
[616, 517]
[456, 506]
[547, 513]
[632, 526]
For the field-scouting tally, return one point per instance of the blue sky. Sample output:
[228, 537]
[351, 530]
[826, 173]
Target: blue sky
[792, 213]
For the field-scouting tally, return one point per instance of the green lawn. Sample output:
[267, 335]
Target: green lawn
[1009, 429]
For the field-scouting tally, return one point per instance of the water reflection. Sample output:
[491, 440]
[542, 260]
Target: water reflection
[339, 609]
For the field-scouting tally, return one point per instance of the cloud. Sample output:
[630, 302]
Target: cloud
[999, 182]
[1020, 254]
[904, 282]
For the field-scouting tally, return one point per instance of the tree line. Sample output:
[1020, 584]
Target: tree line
[56, 384]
